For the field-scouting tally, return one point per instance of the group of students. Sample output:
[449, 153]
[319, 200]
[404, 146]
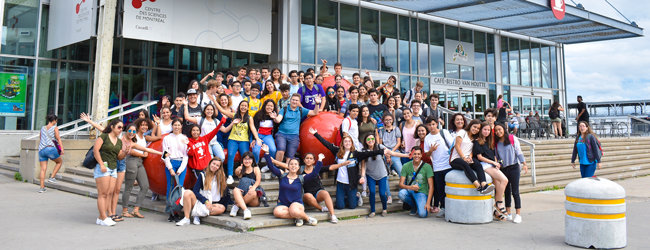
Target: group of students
[383, 133]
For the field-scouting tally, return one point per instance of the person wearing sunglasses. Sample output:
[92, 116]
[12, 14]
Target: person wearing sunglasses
[376, 173]
[332, 105]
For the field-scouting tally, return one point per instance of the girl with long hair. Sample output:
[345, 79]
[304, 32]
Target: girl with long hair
[388, 89]
[408, 127]
[165, 123]
[376, 173]
[107, 151]
[270, 92]
[421, 132]
[246, 196]
[239, 139]
[224, 108]
[175, 144]
[207, 123]
[554, 114]
[210, 190]
[461, 157]
[332, 105]
[264, 123]
[278, 78]
[340, 95]
[483, 152]
[363, 94]
[587, 147]
[509, 155]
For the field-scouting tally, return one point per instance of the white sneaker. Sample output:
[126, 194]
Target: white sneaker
[392, 172]
[364, 194]
[509, 217]
[183, 222]
[264, 169]
[359, 200]
[517, 219]
[229, 180]
[441, 214]
[233, 210]
[400, 202]
[247, 214]
[299, 222]
[107, 222]
[197, 221]
[324, 209]
[98, 222]
[333, 219]
[52, 180]
[389, 200]
[312, 221]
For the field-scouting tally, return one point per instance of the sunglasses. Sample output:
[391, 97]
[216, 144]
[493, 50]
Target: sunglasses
[329, 93]
[132, 131]
[370, 139]
[119, 127]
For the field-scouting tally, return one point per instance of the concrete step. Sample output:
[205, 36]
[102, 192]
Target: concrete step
[569, 144]
[608, 158]
[631, 160]
[90, 182]
[569, 151]
[602, 140]
[10, 166]
[273, 194]
[563, 183]
[269, 210]
[14, 160]
[79, 170]
[567, 157]
[576, 174]
[272, 184]
[7, 173]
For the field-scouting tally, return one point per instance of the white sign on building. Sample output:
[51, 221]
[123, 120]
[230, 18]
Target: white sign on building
[70, 22]
[457, 52]
[242, 25]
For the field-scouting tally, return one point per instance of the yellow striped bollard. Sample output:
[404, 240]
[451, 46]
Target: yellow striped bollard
[463, 204]
[595, 214]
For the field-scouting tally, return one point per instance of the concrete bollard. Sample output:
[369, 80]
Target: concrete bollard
[595, 214]
[463, 203]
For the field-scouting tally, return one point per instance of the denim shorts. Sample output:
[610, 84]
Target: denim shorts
[287, 143]
[121, 166]
[48, 153]
[513, 125]
[109, 172]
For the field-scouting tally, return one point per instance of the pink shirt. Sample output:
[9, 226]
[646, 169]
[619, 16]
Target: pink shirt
[409, 141]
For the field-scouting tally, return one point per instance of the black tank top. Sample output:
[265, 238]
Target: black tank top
[251, 175]
[502, 117]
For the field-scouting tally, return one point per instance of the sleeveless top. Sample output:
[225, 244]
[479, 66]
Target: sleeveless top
[251, 175]
[140, 141]
[239, 132]
[165, 129]
[47, 135]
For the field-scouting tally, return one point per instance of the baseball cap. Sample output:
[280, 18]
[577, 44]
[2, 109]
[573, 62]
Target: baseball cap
[191, 91]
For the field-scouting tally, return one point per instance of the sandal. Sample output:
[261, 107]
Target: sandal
[137, 214]
[117, 218]
[499, 216]
[127, 215]
[500, 209]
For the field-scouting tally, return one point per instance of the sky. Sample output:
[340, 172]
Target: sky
[614, 70]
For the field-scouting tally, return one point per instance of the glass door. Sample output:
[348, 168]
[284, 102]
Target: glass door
[452, 100]
[467, 102]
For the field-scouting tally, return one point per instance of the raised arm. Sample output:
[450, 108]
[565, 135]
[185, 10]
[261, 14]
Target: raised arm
[333, 149]
[186, 114]
[314, 173]
[86, 118]
[362, 155]
[314, 112]
[279, 164]
[270, 160]
[205, 79]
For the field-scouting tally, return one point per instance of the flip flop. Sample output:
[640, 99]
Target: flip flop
[127, 215]
[137, 214]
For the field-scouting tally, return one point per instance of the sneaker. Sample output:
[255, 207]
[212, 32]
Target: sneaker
[52, 180]
[312, 221]
[264, 169]
[197, 221]
[364, 194]
[229, 180]
[107, 222]
[389, 200]
[413, 213]
[371, 215]
[400, 202]
[333, 219]
[441, 214]
[392, 172]
[517, 219]
[299, 222]
[247, 214]
[435, 210]
[42, 190]
[177, 217]
[183, 222]
[233, 211]
[384, 213]
[487, 189]
[508, 216]
[171, 218]
[324, 209]
[359, 200]
[98, 222]
[265, 201]
[154, 197]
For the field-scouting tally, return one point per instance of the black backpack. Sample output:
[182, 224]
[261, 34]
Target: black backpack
[553, 114]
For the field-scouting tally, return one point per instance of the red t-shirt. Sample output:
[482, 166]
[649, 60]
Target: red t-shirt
[199, 150]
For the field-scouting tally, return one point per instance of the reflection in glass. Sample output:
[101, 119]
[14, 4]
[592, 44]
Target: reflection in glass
[20, 16]
[516, 104]
[437, 49]
[479, 56]
[226, 55]
[77, 52]
[492, 91]
[538, 105]
[327, 42]
[241, 58]
[506, 93]
[403, 44]
[43, 52]
[453, 71]
[45, 91]
[114, 87]
[466, 100]
[554, 71]
[467, 72]
[260, 59]
[451, 32]
[350, 36]
[184, 79]
[426, 87]
[117, 50]
[163, 55]
[491, 60]
[452, 100]
[73, 91]
[525, 63]
[135, 52]
[442, 98]
[404, 83]
[514, 61]
[307, 32]
[556, 95]
[546, 106]
[414, 46]
[369, 36]
[212, 59]
[389, 44]
[466, 35]
[134, 83]
[163, 84]
[546, 65]
[423, 47]
[504, 61]
[534, 60]
[191, 58]
[526, 105]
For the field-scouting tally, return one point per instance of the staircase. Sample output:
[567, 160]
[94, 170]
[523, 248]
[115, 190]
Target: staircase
[11, 167]
[622, 158]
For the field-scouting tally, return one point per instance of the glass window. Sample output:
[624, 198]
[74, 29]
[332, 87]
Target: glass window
[506, 93]
[212, 59]
[491, 60]
[163, 55]
[426, 87]
[479, 56]
[514, 61]
[546, 65]
[117, 50]
[350, 36]
[525, 63]
[534, 60]
[423, 47]
[451, 32]
[437, 49]
[504, 61]
[45, 92]
[114, 87]
[260, 59]
[414, 80]
[134, 84]
[554, 71]
[466, 72]
[556, 95]
[546, 106]
[452, 100]
[136, 52]
[19, 27]
[414, 46]
[22, 93]
[241, 58]
[526, 105]
[191, 58]
[226, 56]
[77, 52]
[516, 104]
[453, 71]
[389, 45]
[404, 83]
[43, 52]
[479, 106]
[369, 43]
[403, 44]
[73, 91]
[466, 35]
[184, 79]
[442, 95]
[307, 32]
[492, 91]
[538, 105]
[327, 42]
[163, 84]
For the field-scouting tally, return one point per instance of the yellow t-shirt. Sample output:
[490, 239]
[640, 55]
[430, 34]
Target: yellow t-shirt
[253, 106]
[275, 96]
[239, 131]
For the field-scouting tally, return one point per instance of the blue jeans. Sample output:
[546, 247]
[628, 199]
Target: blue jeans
[417, 201]
[48, 153]
[268, 140]
[233, 147]
[217, 151]
[345, 195]
[287, 143]
[383, 183]
[588, 170]
[397, 164]
[170, 179]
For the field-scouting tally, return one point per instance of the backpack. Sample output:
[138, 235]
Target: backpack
[174, 198]
[552, 114]
[339, 137]
[300, 177]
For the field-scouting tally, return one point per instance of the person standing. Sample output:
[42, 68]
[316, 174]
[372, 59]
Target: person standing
[377, 109]
[583, 113]
[289, 118]
[554, 114]
[47, 150]
[107, 152]
[191, 109]
[436, 147]
[388, 89]
[509, 155]
[587, 147]
[175, 144]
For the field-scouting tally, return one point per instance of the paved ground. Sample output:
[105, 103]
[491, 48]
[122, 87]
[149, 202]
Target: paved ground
[59, 220]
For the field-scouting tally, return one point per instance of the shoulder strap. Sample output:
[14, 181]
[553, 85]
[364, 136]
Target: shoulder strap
[284, 113]
[201, 122]
[442, 133]
[416, 172]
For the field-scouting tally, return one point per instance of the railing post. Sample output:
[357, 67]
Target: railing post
[532, 169]
[629, 126]
[75, 133]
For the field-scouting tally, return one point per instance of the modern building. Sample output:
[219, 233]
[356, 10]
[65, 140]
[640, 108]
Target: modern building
[468, 52]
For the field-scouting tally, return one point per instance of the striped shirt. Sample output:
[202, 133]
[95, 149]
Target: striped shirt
[47, 135]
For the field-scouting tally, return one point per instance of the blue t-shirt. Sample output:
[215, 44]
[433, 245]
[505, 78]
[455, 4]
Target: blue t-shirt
[308, 98]
[582, 152]
[291, 121]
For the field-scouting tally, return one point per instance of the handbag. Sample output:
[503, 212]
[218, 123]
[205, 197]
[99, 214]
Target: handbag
[89, 161]
[56, 143]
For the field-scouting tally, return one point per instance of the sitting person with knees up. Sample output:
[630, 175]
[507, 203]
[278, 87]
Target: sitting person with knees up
[416, 184]
[461, 157]
[290, 204]
[249, 176]
[210, 195]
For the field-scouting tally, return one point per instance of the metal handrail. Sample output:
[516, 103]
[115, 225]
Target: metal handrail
[532, 159]
[144, 105]
[629, 123]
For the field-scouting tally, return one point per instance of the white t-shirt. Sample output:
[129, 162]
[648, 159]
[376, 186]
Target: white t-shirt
[235, 101]
[214, 189]
[351, 127]
[205, 101]
[514, 120]
[466, 145]
[439, 157]
[207, 127]
[342, 175]
[141, 142]
[165, 129]
[294, 89]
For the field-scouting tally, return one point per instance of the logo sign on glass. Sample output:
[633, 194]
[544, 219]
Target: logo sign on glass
[559, 8]
[459, 52]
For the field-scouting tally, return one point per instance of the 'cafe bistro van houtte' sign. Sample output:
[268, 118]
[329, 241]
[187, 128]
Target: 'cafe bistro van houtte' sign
[458, 82]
